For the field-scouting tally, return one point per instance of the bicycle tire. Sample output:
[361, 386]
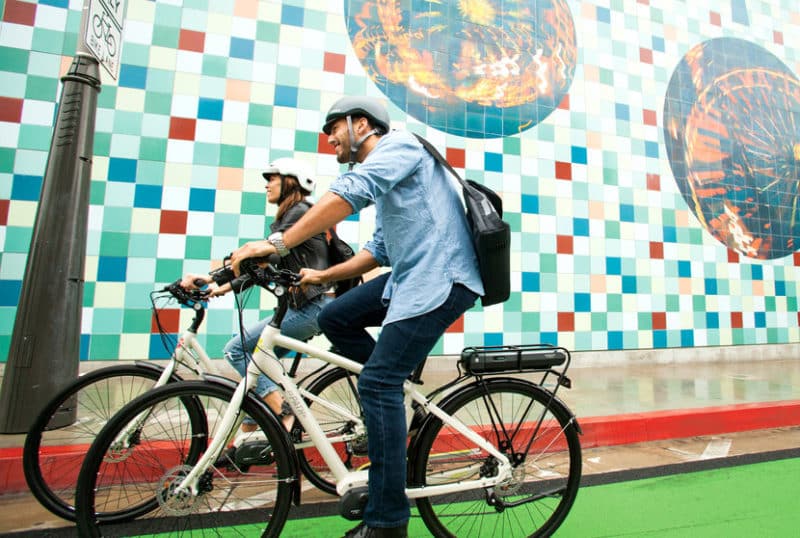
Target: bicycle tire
[231, 500]
[546, 463]
[52, 456]
[338, 386]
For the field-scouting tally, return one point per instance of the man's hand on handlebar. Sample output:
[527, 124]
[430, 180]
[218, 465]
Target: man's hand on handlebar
[251, 249]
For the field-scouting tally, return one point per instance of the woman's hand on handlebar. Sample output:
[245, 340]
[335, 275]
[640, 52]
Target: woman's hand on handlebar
[251, 249]
[191, 281]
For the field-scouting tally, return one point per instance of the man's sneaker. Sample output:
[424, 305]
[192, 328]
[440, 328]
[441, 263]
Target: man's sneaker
[362, 531]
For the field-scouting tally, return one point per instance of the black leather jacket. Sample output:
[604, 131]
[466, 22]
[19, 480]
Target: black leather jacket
[313, 253]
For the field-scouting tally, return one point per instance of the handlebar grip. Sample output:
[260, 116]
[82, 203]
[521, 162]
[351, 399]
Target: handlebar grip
[199, 282]
[223, 275]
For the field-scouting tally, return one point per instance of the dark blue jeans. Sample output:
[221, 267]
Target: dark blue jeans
[401, 346]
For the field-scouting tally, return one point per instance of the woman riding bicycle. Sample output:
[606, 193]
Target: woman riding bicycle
[289, 181]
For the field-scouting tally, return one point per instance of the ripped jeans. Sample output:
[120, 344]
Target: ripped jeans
[299, 324]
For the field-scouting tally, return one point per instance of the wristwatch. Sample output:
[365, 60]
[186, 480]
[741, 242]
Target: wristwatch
[276, 239]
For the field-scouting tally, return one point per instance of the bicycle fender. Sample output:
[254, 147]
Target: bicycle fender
[430, 419]
[268, 416]
[158, 368]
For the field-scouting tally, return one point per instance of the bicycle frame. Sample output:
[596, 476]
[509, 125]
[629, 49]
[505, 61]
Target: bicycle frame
[265, 361]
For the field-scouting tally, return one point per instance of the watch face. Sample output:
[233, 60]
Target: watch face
[481, 69]
[732, 131]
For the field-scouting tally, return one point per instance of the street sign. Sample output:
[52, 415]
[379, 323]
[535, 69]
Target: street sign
[104, 33]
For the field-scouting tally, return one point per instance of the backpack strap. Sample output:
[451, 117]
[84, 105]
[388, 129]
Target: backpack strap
[438, 156]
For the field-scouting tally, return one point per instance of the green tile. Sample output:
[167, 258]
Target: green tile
[268, 31]
[253, 203]
[137, 294]
[5, 343]
[18, 239]
[165, 36]
[114, 244]
[260, 115]
[70, 45]
[41, 88]
[198, 247]
[232, 156]
[306, 141]
[137, 320]
[152, 149]
[88, 293]
[15, 60]
[35, 137]
[612, 229]
[107, 98]
[599, 321]
[102, 143]
[168, 15]
[160, 81]
[103, 346]
[614, 302]
[215, 66]
[167, 270]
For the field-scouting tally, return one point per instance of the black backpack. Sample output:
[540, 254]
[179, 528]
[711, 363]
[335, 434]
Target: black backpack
[339, 251]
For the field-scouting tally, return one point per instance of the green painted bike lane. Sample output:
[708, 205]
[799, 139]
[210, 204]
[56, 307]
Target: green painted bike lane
[760, 500]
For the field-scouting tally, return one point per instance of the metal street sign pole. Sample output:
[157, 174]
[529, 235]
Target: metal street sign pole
[45, 344]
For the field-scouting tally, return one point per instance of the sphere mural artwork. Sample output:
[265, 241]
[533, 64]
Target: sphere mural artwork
[732, 131]
[474, 68]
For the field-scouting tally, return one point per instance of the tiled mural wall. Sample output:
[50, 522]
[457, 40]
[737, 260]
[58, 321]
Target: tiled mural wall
[647, 152]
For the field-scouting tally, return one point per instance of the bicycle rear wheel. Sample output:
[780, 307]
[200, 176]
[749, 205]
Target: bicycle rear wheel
[247, 496]
[337, 386]
[53, 454]
[536, 432]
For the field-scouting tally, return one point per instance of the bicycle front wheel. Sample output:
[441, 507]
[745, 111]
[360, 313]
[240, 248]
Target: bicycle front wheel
[141, 457]
[538, 435]
[54, 452]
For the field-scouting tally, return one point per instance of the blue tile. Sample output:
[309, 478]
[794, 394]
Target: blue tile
[201, 199]
[285, 95]
[292, 15]
[133, 76]
[148, 196]
[603, 14]
[760, 319]
[493, 339]
[711, 286]
[614, 339]
[579, 155]
[712, 320]
[583, 302]
[580, 227]
[684, 268]
[242, 48]
[626, 213]
[628, 284]
[530, 203]
[9, 292]
[26, 187]
[531, 281]
[651, 149]
[210, 109]
[623, 111]
[613, 266]
[111, 269]
[123, 170]
[687, 338]
[493, 162]
[158, 349]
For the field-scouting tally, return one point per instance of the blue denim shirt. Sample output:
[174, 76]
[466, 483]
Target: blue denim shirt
[421, 229]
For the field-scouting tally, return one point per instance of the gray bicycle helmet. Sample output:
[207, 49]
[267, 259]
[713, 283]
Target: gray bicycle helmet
[358, 106]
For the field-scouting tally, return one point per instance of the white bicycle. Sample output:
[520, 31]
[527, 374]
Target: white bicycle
[488, 454]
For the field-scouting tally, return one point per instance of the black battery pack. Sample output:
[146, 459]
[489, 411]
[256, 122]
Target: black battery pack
[497, 359]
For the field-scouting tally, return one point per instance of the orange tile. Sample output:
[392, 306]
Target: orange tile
[230, 178]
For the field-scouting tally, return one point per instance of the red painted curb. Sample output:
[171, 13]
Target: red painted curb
[680, 423]
[597, 431]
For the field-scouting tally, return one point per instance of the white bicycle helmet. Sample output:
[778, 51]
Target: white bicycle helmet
[287, 166]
